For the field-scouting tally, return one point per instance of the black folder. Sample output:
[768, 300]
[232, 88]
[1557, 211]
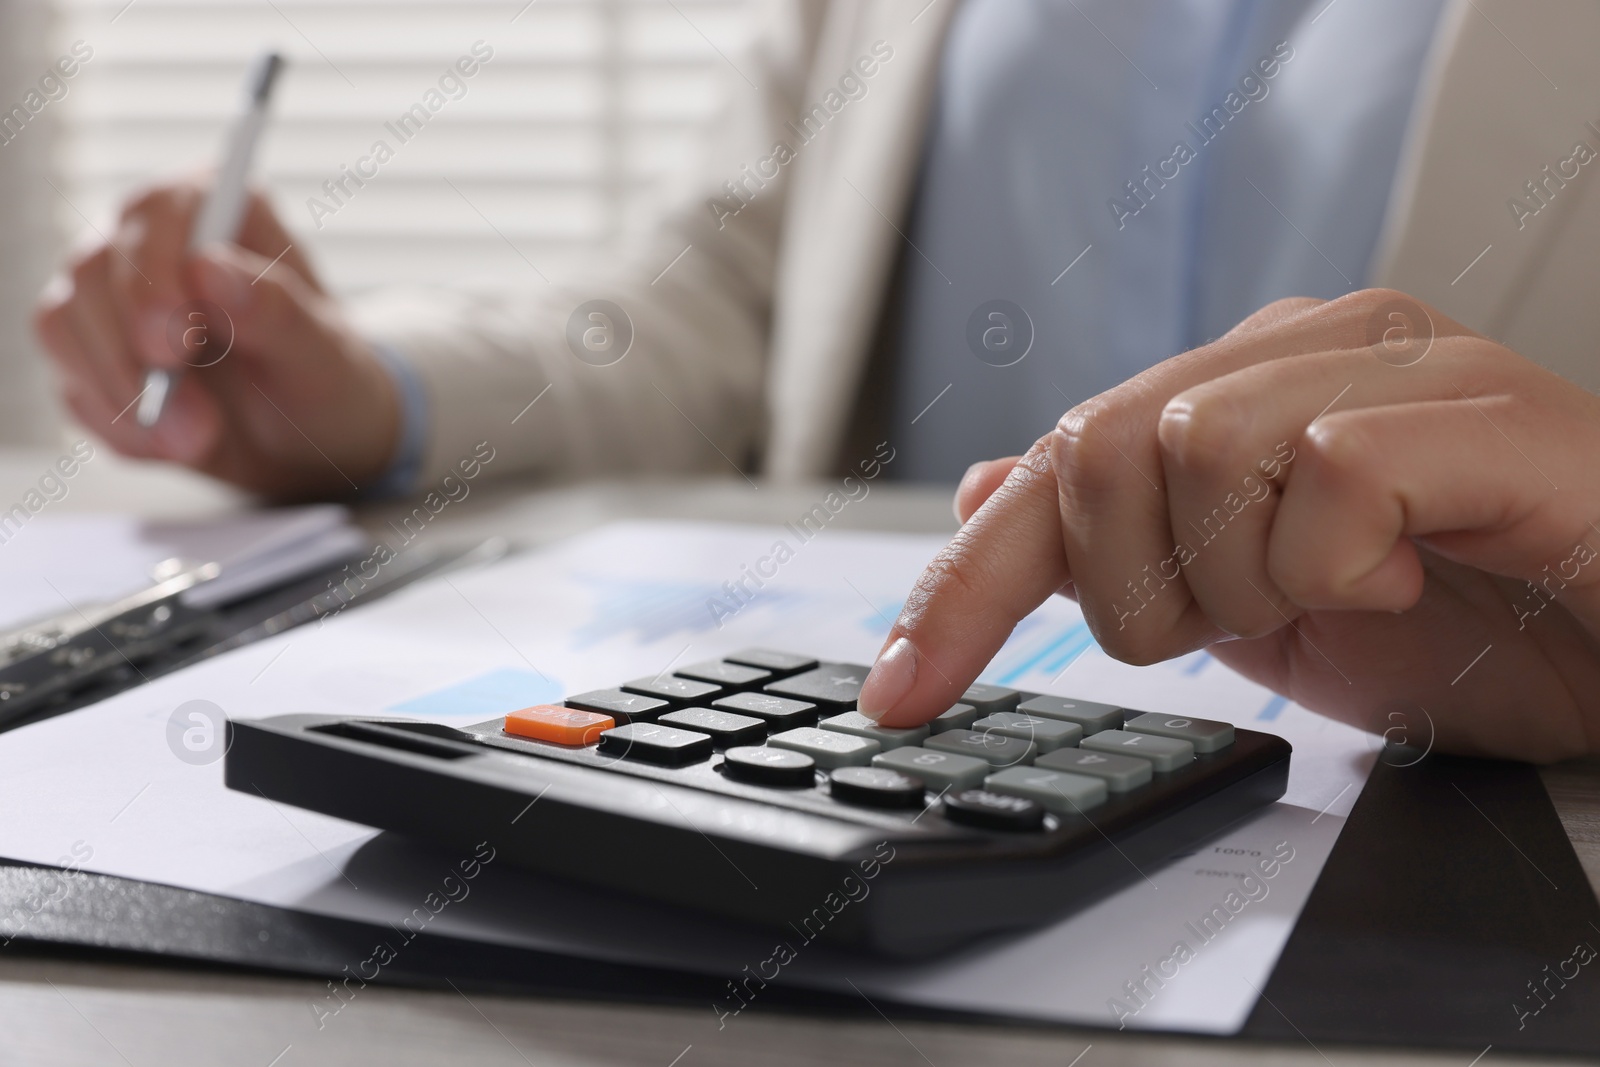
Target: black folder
[1451, 914]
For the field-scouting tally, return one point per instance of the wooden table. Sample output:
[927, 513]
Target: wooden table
[63, 1012]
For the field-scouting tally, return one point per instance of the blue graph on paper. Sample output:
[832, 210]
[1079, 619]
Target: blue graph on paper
[1040, 648]
[651, 610]
[484, 696]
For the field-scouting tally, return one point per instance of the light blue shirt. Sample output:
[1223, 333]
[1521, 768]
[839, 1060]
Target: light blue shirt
[1135, 176]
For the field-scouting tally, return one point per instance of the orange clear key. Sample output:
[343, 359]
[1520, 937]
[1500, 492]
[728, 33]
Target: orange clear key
[564, 726]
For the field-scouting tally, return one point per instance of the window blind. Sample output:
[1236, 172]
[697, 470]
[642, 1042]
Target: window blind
[560, 144]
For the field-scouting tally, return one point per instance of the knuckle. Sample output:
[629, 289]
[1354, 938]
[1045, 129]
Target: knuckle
[1088, 459]
[1200, 431]
[1339, 447]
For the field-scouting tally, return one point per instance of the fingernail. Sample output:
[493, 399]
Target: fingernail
[890, 679]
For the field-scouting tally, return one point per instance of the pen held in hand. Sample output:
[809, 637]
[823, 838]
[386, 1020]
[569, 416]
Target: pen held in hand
[223, 208]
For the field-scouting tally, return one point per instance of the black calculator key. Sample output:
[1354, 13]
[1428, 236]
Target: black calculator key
[678, 690]
[988, 699]
[876, 787]
[779, 663]
[833, 685]
[624, 707]
[720, 671]
[759, 765]
[780, 713]
[993, 811]
[725, 728]
[652, 743]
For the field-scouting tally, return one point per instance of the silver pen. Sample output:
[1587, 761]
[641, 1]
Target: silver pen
[223, 208]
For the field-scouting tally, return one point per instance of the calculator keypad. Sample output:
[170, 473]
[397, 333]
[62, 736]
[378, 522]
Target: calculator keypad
[998, 760]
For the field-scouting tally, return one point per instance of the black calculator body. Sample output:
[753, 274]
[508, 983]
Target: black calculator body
[749, 788]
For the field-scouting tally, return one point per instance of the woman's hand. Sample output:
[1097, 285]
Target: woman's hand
[1361, 504]
[298, 406]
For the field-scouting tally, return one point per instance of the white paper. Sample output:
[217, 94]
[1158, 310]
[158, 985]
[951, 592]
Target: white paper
[634, 600]
[60, 564]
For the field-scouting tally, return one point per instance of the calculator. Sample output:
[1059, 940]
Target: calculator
[749, 787]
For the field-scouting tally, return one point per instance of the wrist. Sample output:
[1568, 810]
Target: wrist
[402, 430]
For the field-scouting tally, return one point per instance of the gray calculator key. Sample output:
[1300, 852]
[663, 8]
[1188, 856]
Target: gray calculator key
[939, 770]
[828, 748]
[1120, 773]
[831, 685]
[1086, 713]
[994, 749]
[1165, 753]
[988, 699]
[1048, 734]
[958, 717]
[1206, 735]
[1057, 791]
[853, 722]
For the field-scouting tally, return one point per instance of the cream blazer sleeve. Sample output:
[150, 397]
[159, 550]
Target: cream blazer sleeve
[688, 395]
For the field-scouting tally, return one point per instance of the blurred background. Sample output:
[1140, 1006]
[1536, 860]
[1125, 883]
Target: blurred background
[563, 148]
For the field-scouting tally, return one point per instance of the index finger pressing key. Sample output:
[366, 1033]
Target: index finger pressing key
[1003, 563]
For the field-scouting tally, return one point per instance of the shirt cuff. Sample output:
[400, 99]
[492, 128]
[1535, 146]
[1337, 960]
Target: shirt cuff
[404, 468]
